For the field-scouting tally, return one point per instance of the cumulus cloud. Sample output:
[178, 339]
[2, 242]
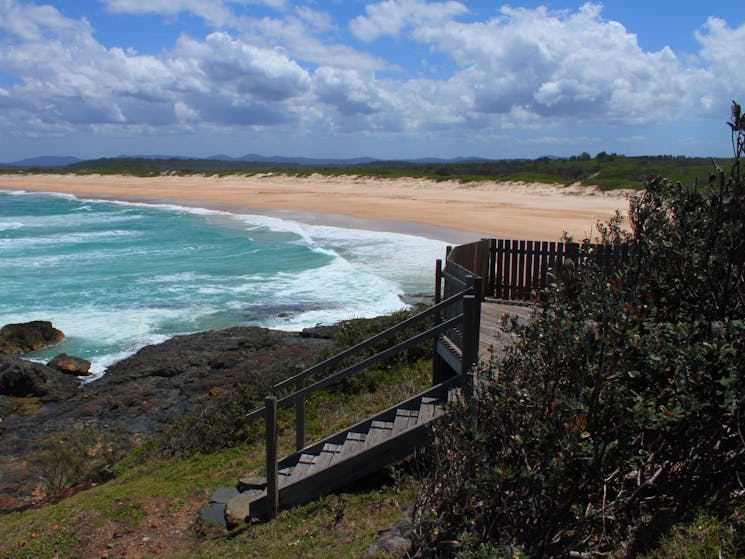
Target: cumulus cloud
[521, 68]
[392, 16]
[722, 48]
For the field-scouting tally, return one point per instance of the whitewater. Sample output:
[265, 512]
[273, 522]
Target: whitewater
[116, 276]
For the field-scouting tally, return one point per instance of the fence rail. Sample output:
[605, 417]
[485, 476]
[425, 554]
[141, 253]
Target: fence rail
[518, 269]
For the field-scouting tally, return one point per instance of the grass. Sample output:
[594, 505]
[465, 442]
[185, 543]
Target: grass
[705, 537]
[150, 508]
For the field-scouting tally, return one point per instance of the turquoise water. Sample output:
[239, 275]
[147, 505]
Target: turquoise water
[117, 276]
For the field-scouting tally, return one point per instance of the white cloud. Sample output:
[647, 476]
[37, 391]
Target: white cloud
[523, 69]
[722, 51]
[561, 64]
[392, 16]
[213, 11]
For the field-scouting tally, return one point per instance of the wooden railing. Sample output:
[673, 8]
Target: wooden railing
[518, 269]
[458, 312]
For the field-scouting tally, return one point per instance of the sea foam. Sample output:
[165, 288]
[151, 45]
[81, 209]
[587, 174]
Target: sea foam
[115, 276]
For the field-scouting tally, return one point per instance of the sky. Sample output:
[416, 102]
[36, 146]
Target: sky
[390, 79]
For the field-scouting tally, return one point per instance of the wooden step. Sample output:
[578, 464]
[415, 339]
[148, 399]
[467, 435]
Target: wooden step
[427, 409]
[298, 471]
[352, 445]
[328, 453]
[401, 423]
[379, 431]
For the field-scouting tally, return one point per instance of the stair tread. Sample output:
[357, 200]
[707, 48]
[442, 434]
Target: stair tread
[427, 411]
[379, 430]
[329, 452]
[352, 445]
[401, 423]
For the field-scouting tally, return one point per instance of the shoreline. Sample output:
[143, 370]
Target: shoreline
[448, 211]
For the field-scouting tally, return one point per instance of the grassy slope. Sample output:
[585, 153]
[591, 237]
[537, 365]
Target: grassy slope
[150, 509]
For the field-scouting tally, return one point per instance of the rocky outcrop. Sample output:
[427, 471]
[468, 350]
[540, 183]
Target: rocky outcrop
[70, 365]
[22, 378]
[321, 331]
[138, 396]
[28, 336]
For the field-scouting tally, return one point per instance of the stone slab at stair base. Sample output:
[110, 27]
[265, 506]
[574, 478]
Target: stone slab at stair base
[214, 513]
[238, 509]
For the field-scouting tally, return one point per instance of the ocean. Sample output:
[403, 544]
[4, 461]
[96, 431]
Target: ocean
[117, 276]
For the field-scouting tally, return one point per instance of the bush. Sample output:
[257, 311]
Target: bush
[354, 331]
[216, 424]
[619, 409]
[81, 455]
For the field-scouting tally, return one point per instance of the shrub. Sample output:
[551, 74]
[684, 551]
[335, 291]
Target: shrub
[354, 331]
[216, 424]
[80, 455]
[619, 408]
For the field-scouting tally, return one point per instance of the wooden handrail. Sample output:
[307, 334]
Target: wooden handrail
[361, 365]
[369, 342]
[300, 377]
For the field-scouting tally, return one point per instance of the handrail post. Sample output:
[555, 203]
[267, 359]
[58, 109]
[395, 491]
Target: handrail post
[272, 472]
[467, 354]
[436, 361]
[300, 411]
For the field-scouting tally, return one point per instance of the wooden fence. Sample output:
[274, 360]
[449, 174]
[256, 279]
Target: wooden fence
[518, 269]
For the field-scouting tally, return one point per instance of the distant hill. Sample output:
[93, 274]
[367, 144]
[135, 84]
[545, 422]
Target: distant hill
[44, 161]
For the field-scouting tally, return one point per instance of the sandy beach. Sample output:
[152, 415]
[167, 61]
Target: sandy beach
[450, 211]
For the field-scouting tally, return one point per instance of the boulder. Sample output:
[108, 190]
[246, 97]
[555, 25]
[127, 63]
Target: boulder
[22, 378]
[28, 336]
[393, 543]
[70, 365]
[326, 332]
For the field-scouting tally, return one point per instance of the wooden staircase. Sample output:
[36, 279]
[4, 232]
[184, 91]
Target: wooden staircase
[345, 457]
[358, 451]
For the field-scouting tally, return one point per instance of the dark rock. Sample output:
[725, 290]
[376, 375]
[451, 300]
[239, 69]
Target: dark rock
[141, 395]
[28, 336]
[19, 377]
[214, 513]
[7, 406]
[70, 365]
[224, 495]
[393, 543]
[320, 331]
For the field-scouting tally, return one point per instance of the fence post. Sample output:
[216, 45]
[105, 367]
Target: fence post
[272, 473]
[478, 284]
[492, 267]
[467, 356]
[300, 411]
[436, 360]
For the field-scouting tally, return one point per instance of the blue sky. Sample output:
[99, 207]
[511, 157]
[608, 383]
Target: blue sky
[385, 78]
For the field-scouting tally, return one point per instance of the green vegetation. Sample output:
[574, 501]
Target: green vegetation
[83, 455]
[614, 426]
[620, 410]
[608, 171]
[150, 507]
